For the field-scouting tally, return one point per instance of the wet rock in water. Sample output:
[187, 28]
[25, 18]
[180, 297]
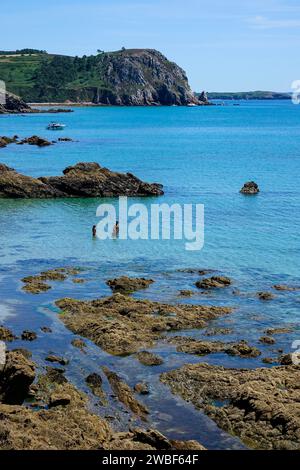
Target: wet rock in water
[6, 334]
[202, 348]
[269, 360]
[125, 394]
[38, 283]
[149, 359]
[250, 188]
[283, 287]
[65, 139]
[127, 285]
[60, 360]
[46, 329]
[218, 331]
[214, 282]
[35, 287]
[122, 325]
[28, 335]
[142, 388]
[243, 349]
[16, 377]
[186, 293]
[78, 280]
[5, 140]
[286, 360]
[81, 180]
[278, 331]
[201, 272]
[78, 343]
[261, 406]
[267, 340]
[94, 381]
[35, 140]
[265, 295]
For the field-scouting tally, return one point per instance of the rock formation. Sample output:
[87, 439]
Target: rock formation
[250, 188]
[81, 180]
[122, 325]
[261, 406]
[14, 105]
[127, 285]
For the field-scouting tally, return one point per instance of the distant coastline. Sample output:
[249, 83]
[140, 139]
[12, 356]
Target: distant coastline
[249, 95]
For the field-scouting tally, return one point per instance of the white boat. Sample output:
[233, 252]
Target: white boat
[55, 126]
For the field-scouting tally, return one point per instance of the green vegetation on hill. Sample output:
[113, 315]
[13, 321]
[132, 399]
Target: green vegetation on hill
[23, 51]
[249, 95]
[136, 76]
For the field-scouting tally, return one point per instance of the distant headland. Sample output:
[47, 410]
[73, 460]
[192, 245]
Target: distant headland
[249, 95]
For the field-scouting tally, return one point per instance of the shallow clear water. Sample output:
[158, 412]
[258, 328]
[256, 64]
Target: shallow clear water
[200, 155]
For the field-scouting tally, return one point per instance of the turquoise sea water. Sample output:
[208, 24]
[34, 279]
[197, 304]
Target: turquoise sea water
[200, 155]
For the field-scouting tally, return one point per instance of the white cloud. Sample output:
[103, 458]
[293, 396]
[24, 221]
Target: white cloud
[261, 22]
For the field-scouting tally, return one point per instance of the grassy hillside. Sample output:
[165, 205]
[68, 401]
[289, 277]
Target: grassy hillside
[48, 77]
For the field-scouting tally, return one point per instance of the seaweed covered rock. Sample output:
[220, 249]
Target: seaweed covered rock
[261, 406]
[214, 282]
[16, 377]
[127, 285]
[122, 325]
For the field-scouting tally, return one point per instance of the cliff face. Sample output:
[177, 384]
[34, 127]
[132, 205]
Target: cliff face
[127, 77]
[13, 104]
[144, 77]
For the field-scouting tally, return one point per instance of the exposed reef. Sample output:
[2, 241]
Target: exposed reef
[127, 285]
[81, 180]
[122, 325]
[55, 404]
[261, 406]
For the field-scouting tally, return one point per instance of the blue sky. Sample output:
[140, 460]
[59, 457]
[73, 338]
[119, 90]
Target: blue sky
[224, 45]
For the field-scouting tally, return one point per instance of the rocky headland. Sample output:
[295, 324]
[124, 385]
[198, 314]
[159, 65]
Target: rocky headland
[128, 77]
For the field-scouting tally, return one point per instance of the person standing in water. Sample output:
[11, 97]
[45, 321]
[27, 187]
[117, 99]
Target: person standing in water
[94, 231]
[116, 230]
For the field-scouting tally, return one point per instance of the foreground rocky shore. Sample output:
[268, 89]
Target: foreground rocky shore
[80, 180]
[53, 404]
[260, 406]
